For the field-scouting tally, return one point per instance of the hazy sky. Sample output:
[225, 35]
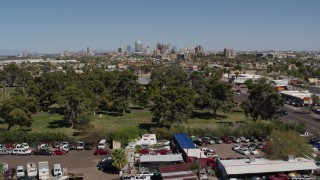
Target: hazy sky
[58, 25]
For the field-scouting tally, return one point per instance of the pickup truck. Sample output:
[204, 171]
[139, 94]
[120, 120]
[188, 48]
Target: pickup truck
[306, 134]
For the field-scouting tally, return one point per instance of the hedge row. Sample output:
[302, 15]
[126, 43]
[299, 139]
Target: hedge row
[31, 137]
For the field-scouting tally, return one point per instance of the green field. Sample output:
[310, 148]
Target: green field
[140, 118]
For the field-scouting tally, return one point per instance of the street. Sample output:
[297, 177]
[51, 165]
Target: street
[312, 120]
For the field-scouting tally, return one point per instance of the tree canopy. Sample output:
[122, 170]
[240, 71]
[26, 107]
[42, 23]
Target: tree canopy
[263, 100]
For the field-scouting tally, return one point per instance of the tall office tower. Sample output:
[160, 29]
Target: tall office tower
[198, 49]
[67, 53]
[138, 46]
[174, 50]
[128, 49]
[120, 50]
[88, 51]
[228, 53]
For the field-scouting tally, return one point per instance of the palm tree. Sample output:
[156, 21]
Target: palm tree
[119, 159]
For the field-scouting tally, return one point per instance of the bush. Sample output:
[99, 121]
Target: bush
[30, 137]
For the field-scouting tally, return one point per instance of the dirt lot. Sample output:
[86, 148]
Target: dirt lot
[225, 150]
[75, 161]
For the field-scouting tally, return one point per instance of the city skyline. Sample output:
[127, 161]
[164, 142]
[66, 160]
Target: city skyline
[53, 27]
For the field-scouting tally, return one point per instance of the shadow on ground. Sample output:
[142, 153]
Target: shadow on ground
[206, 115]
[59, 124]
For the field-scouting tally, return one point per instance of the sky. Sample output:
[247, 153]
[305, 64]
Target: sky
[59, 25]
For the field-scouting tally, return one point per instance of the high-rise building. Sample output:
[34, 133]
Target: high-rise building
[128, 49]
[228, 53]
[174, 50]
[198, 49]
[67, 53]
[88, 51]
[138, 46]
[120, 51]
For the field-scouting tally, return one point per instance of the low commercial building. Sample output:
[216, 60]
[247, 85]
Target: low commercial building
[152, 162]
[177, 171]
[241, 168]
[304, 97]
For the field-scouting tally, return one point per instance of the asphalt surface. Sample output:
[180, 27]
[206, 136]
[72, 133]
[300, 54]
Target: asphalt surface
[295, 114]
[75, 161]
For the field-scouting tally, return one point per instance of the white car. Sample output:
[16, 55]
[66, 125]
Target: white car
[236, 147]
[203, 175]
[21, 151]
[145, 173]
[25, 145]
[253, 151]
[244, 139]
[64, 144]
[64, 148]
[314, 149]
[80, 145]
[20, 171]
[244, 151]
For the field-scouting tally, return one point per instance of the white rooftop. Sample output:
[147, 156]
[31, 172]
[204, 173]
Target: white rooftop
[161, 158]
[195, 153]
[243, 166]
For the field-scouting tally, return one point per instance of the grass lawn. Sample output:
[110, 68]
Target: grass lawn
[139, 118]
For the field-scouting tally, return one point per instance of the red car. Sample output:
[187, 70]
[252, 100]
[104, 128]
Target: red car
[58, 152]
[144, 151]
[9, 173]
[102, 152]
[226, 140]
[164, 151]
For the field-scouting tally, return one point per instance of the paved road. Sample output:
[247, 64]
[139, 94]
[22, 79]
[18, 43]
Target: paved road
[312, 121]
[75, 161]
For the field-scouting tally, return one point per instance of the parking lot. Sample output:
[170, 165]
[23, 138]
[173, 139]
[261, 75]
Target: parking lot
[75, 161]
[225, 150]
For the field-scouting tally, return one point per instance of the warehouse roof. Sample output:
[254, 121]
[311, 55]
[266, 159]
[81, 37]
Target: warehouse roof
[161, 158]
[177, 172]
[184, 141]
[244, 166]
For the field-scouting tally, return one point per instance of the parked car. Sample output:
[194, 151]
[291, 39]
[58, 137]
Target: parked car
[101, 152]
[262, 138]
[252, 139]
[207, 140]
[281, 112]
[145, 173]
[234, 139]
[105, 162]
[56, 145]
[58, 152]
[88, 146]
[259, 146]
[5, 151]
[9, 173]
[64, 148]
[80, 146]
[20, 171]
[46, 152]
[217, 140]
[226, 140]
[25, 146]
[197, 142]
[236, 147]
[244, 139]
[280, 176]
[253, 151]
[203, 174]
[21, 151]
[72, 145]
[244, 151]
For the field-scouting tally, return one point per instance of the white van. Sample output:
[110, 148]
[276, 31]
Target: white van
[20, 171]
[57, 170]
[102, 144]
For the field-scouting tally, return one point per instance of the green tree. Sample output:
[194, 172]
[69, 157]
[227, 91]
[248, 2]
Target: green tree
[18, 110]
[281, 144]
[220, 95]
[74, 101]
[263, 100]
[174, 105]
[126, 134]
[315, 99]
[119, 159]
